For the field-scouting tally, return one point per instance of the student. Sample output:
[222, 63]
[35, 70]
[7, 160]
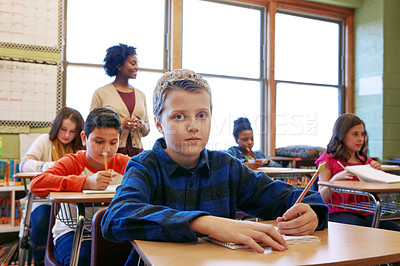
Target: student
[63, 138]
[84, 170]
[243, 134]
[129, 102]
[180, 190]
[348, 145]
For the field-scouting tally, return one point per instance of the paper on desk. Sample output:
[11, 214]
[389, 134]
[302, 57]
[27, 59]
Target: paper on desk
[109, 189]
[274, 169]
[367, 173]
[290, 240]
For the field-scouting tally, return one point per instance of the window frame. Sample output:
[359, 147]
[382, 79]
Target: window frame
[173, 52]
[313, 9]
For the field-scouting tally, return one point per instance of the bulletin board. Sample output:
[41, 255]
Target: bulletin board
[30, 62]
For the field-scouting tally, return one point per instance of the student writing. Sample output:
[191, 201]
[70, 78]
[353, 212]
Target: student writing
[348, 146]
[84, 170]
[179, 189]
[243, 134]
[63, 138]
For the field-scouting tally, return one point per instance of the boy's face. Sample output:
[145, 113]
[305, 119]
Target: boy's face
[100, 140]
[185, 123]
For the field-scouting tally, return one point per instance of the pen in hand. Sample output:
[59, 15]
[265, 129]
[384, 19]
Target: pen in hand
[319, 170]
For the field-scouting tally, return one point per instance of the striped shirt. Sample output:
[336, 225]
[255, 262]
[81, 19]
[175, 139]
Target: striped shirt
[158, 198]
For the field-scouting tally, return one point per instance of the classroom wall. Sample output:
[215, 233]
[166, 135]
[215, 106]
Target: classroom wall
[11, 143]
[377, 54]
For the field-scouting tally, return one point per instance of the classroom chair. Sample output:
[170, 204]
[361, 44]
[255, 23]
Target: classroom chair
[105, 252]
[49, 259]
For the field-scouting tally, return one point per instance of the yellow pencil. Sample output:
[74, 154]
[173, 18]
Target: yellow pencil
[105, 160]
[320, 168]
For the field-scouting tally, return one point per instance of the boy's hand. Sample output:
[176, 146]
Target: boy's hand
[240, 232]
[98, 181]
[300, 219]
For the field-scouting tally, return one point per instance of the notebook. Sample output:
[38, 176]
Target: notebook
[367, 173]
[109, 189]
[290, 240]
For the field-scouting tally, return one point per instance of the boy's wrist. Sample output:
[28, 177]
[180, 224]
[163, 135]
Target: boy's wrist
[201, 224]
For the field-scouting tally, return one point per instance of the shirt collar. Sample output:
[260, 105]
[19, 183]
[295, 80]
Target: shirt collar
[170, 166]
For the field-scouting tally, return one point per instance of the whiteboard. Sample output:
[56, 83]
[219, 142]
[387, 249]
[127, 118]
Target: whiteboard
[30, 93]
[31, 24]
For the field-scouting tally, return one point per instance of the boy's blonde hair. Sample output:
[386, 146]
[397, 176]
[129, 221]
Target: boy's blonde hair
[178, 79]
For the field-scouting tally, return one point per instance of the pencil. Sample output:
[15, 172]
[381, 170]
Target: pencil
[319, 170]
[341, 165]
[252, 155]
[105, 160]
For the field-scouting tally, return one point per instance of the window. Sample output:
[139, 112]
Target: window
[308, 84]
[225, 48]
[228, 43]
[92, 27]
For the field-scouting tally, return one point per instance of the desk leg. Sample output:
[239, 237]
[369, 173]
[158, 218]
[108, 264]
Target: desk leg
[76, 246]
[25, 245]
[378, 207]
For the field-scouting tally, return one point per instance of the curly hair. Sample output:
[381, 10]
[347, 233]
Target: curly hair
[239, 125]
[74, 115]
[178, 79]
[336, 145]
[116, 56]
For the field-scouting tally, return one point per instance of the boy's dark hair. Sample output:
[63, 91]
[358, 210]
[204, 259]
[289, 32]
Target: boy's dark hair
[336, 145]
[239, 125]
[116, 56]
[101, 117]
[74, 115]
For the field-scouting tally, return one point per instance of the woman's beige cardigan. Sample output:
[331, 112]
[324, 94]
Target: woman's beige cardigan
[108, 96]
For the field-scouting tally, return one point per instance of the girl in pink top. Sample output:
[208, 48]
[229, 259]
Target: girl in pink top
[348, 145]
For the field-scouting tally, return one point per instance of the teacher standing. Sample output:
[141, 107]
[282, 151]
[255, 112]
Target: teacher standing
[129, 102]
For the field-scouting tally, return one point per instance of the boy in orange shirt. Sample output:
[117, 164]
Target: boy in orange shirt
[84, 170]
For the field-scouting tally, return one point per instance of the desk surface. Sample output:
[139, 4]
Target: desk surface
[26, 174]
[285, 171]
[80, 197]
[340, 244]
[362, 186]
[390, 168]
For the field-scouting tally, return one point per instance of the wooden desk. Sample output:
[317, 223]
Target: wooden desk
[79, 198]
[390, 168]
[297, 177]
[340, 244]
[285, 161]
[371, 189]
[286, 171]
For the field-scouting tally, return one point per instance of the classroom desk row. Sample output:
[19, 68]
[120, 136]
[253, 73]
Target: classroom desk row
[374, 246]
[327, 251]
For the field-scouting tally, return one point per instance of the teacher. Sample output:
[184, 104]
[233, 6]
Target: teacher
[129, 102]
